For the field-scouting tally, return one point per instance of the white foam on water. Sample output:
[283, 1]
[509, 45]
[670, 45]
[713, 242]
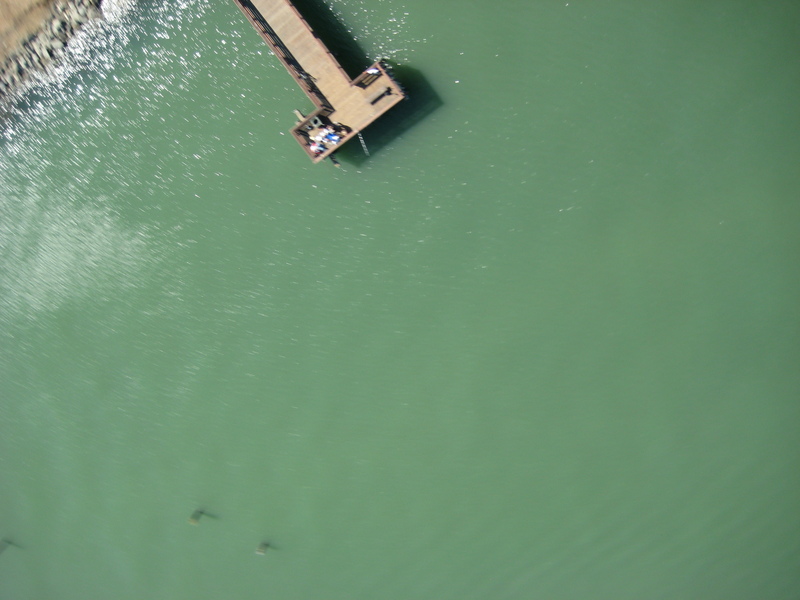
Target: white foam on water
[64, 242]
[97, 48]
[60, 250]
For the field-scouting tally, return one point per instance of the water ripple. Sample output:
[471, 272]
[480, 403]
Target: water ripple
[56, 250]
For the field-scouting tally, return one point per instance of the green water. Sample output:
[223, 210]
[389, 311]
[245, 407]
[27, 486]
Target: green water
[542, 344]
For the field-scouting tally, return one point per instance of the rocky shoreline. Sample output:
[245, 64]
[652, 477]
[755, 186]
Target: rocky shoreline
[46, 46]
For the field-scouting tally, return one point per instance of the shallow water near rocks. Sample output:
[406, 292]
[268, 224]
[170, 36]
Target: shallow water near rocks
[541, 344]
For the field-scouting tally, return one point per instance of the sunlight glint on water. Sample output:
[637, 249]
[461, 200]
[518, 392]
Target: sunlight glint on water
[542, 344]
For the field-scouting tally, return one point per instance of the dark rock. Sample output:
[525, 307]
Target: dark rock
[40, 50]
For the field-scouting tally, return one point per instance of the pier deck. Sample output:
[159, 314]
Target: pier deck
[343, 106]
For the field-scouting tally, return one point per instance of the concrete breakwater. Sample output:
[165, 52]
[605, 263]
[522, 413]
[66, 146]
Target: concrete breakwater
[45, 46]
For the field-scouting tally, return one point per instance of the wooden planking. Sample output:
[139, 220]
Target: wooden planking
[349, 104]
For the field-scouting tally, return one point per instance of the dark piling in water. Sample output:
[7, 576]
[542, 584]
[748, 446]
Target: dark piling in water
[262, 548]
[194, 518]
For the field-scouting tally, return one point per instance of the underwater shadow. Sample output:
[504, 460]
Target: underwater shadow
[6, 543]
[421, 100]
[335, 35]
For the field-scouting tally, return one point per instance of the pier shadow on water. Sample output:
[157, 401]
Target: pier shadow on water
[335, 35]
[420, 102]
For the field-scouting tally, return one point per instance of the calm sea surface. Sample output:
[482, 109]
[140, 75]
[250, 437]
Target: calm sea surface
[542, 344]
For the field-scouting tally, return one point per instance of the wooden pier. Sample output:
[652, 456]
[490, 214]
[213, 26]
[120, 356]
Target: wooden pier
[343, 107]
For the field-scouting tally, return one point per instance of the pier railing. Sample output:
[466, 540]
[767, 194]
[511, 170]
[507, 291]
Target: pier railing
[343, 107]
[283, 53]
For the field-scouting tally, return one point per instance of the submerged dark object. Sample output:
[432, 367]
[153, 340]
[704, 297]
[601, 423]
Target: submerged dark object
[194, 518]
[198, 513]
[6, 543]
[263, 547]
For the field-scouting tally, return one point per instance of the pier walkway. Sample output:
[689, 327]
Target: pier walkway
[342, 106]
